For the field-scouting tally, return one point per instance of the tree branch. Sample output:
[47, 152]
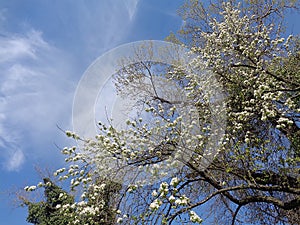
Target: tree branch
[235, 214]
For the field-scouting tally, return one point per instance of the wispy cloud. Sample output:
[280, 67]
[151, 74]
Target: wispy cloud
[13, 156]
[131, 6]
[13, 48]
[15, 160]
[39, 73]
[33, 95]
[103, 24]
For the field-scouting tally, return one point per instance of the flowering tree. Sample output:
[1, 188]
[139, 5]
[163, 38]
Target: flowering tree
[47, 212]
[255, 172]
[60, 207]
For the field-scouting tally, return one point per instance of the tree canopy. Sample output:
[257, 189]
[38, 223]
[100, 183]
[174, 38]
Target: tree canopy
[254, 174]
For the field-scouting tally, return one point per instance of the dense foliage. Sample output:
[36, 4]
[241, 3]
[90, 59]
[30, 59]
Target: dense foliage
[47, 212]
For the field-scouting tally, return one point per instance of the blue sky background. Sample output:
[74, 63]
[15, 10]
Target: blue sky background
[45, 47]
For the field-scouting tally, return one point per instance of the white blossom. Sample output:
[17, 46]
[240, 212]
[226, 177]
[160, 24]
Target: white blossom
[155, 204]
[120, 220]
[194, 217]
[174, 182]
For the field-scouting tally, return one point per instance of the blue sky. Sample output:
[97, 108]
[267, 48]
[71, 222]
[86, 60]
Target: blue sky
[45, 47]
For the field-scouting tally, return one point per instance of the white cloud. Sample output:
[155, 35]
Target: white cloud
[13, 156]
[103, 24]
[15, 161]
[12, 48]
[38, 80]
[16, 47]
[131, 6]
[34, 96]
